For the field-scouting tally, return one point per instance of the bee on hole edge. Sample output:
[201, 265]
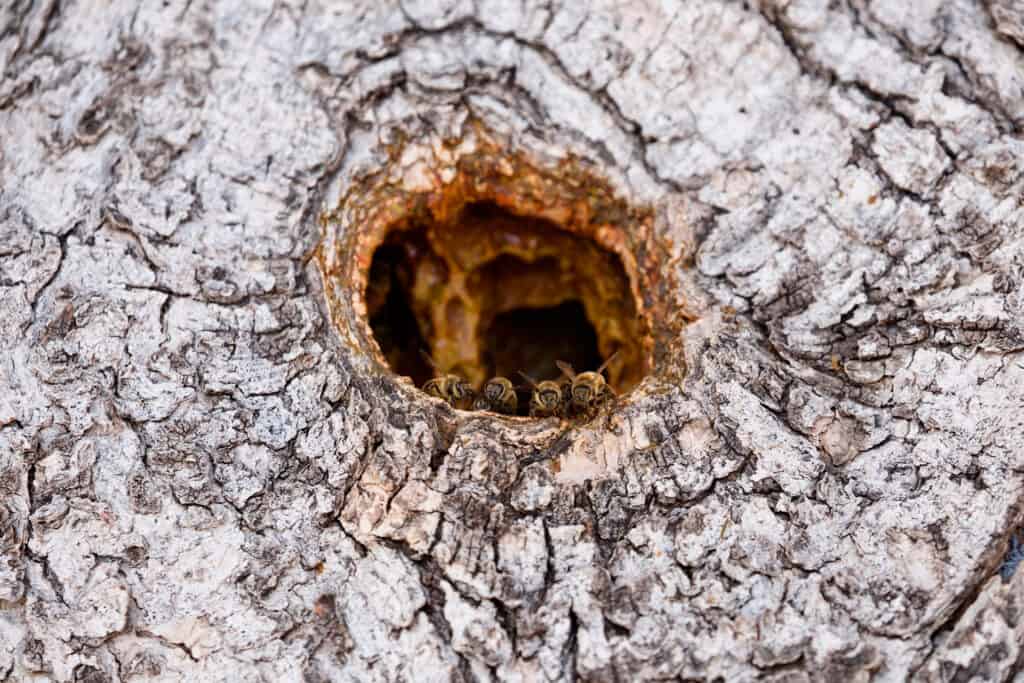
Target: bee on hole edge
[451, 389]
[576, 395]
[498, 395]
[588, 391]
[548, 398]
[447, 386]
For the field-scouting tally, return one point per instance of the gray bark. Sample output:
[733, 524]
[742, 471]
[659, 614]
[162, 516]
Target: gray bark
[201, 479]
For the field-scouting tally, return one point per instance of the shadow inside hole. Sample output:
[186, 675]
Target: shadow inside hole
[532, 339]
[393, 323]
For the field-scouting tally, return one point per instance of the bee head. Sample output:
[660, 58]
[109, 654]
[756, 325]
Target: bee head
[493, 390]
[581, 392]
[549, 397]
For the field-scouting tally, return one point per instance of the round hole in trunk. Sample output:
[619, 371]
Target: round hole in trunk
[494, 265]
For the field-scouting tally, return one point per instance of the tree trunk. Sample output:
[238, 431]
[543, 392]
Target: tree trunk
[208, 473]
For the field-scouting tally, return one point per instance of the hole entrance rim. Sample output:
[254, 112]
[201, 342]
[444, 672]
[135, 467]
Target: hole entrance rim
[569, 196]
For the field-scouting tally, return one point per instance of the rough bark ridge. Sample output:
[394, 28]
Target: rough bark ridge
[201, 481]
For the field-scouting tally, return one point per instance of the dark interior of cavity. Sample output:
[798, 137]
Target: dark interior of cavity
[493, 293]
[393, 323]
[530, 340]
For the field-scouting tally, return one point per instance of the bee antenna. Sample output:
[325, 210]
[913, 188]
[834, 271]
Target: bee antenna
[430, 359]
[532, 381]
[566, 369]
[608, 360]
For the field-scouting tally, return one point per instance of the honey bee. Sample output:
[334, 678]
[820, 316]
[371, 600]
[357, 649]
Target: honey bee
[548, 397]
[588, 391]
[447, 386]
[450, 388]
[498, 395]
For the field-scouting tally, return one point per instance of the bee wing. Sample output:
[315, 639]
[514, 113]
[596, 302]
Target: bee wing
[607, 362]
[566, 369]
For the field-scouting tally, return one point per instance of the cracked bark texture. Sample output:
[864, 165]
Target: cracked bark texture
[201, 480]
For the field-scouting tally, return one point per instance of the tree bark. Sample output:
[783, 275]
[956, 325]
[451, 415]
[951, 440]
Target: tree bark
[201, 478]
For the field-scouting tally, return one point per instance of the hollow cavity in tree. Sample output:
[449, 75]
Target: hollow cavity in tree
[500, 269]
[493, 293]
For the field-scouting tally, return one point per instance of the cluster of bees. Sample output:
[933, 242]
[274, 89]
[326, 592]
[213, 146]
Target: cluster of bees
[575, 395]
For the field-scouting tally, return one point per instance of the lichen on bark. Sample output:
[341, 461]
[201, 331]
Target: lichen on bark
[201, 477]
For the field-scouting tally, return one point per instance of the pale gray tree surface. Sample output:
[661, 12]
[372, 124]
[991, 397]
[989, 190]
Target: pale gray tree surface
[202, 479]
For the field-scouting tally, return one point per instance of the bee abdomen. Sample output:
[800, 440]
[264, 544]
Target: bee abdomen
[434, 387]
